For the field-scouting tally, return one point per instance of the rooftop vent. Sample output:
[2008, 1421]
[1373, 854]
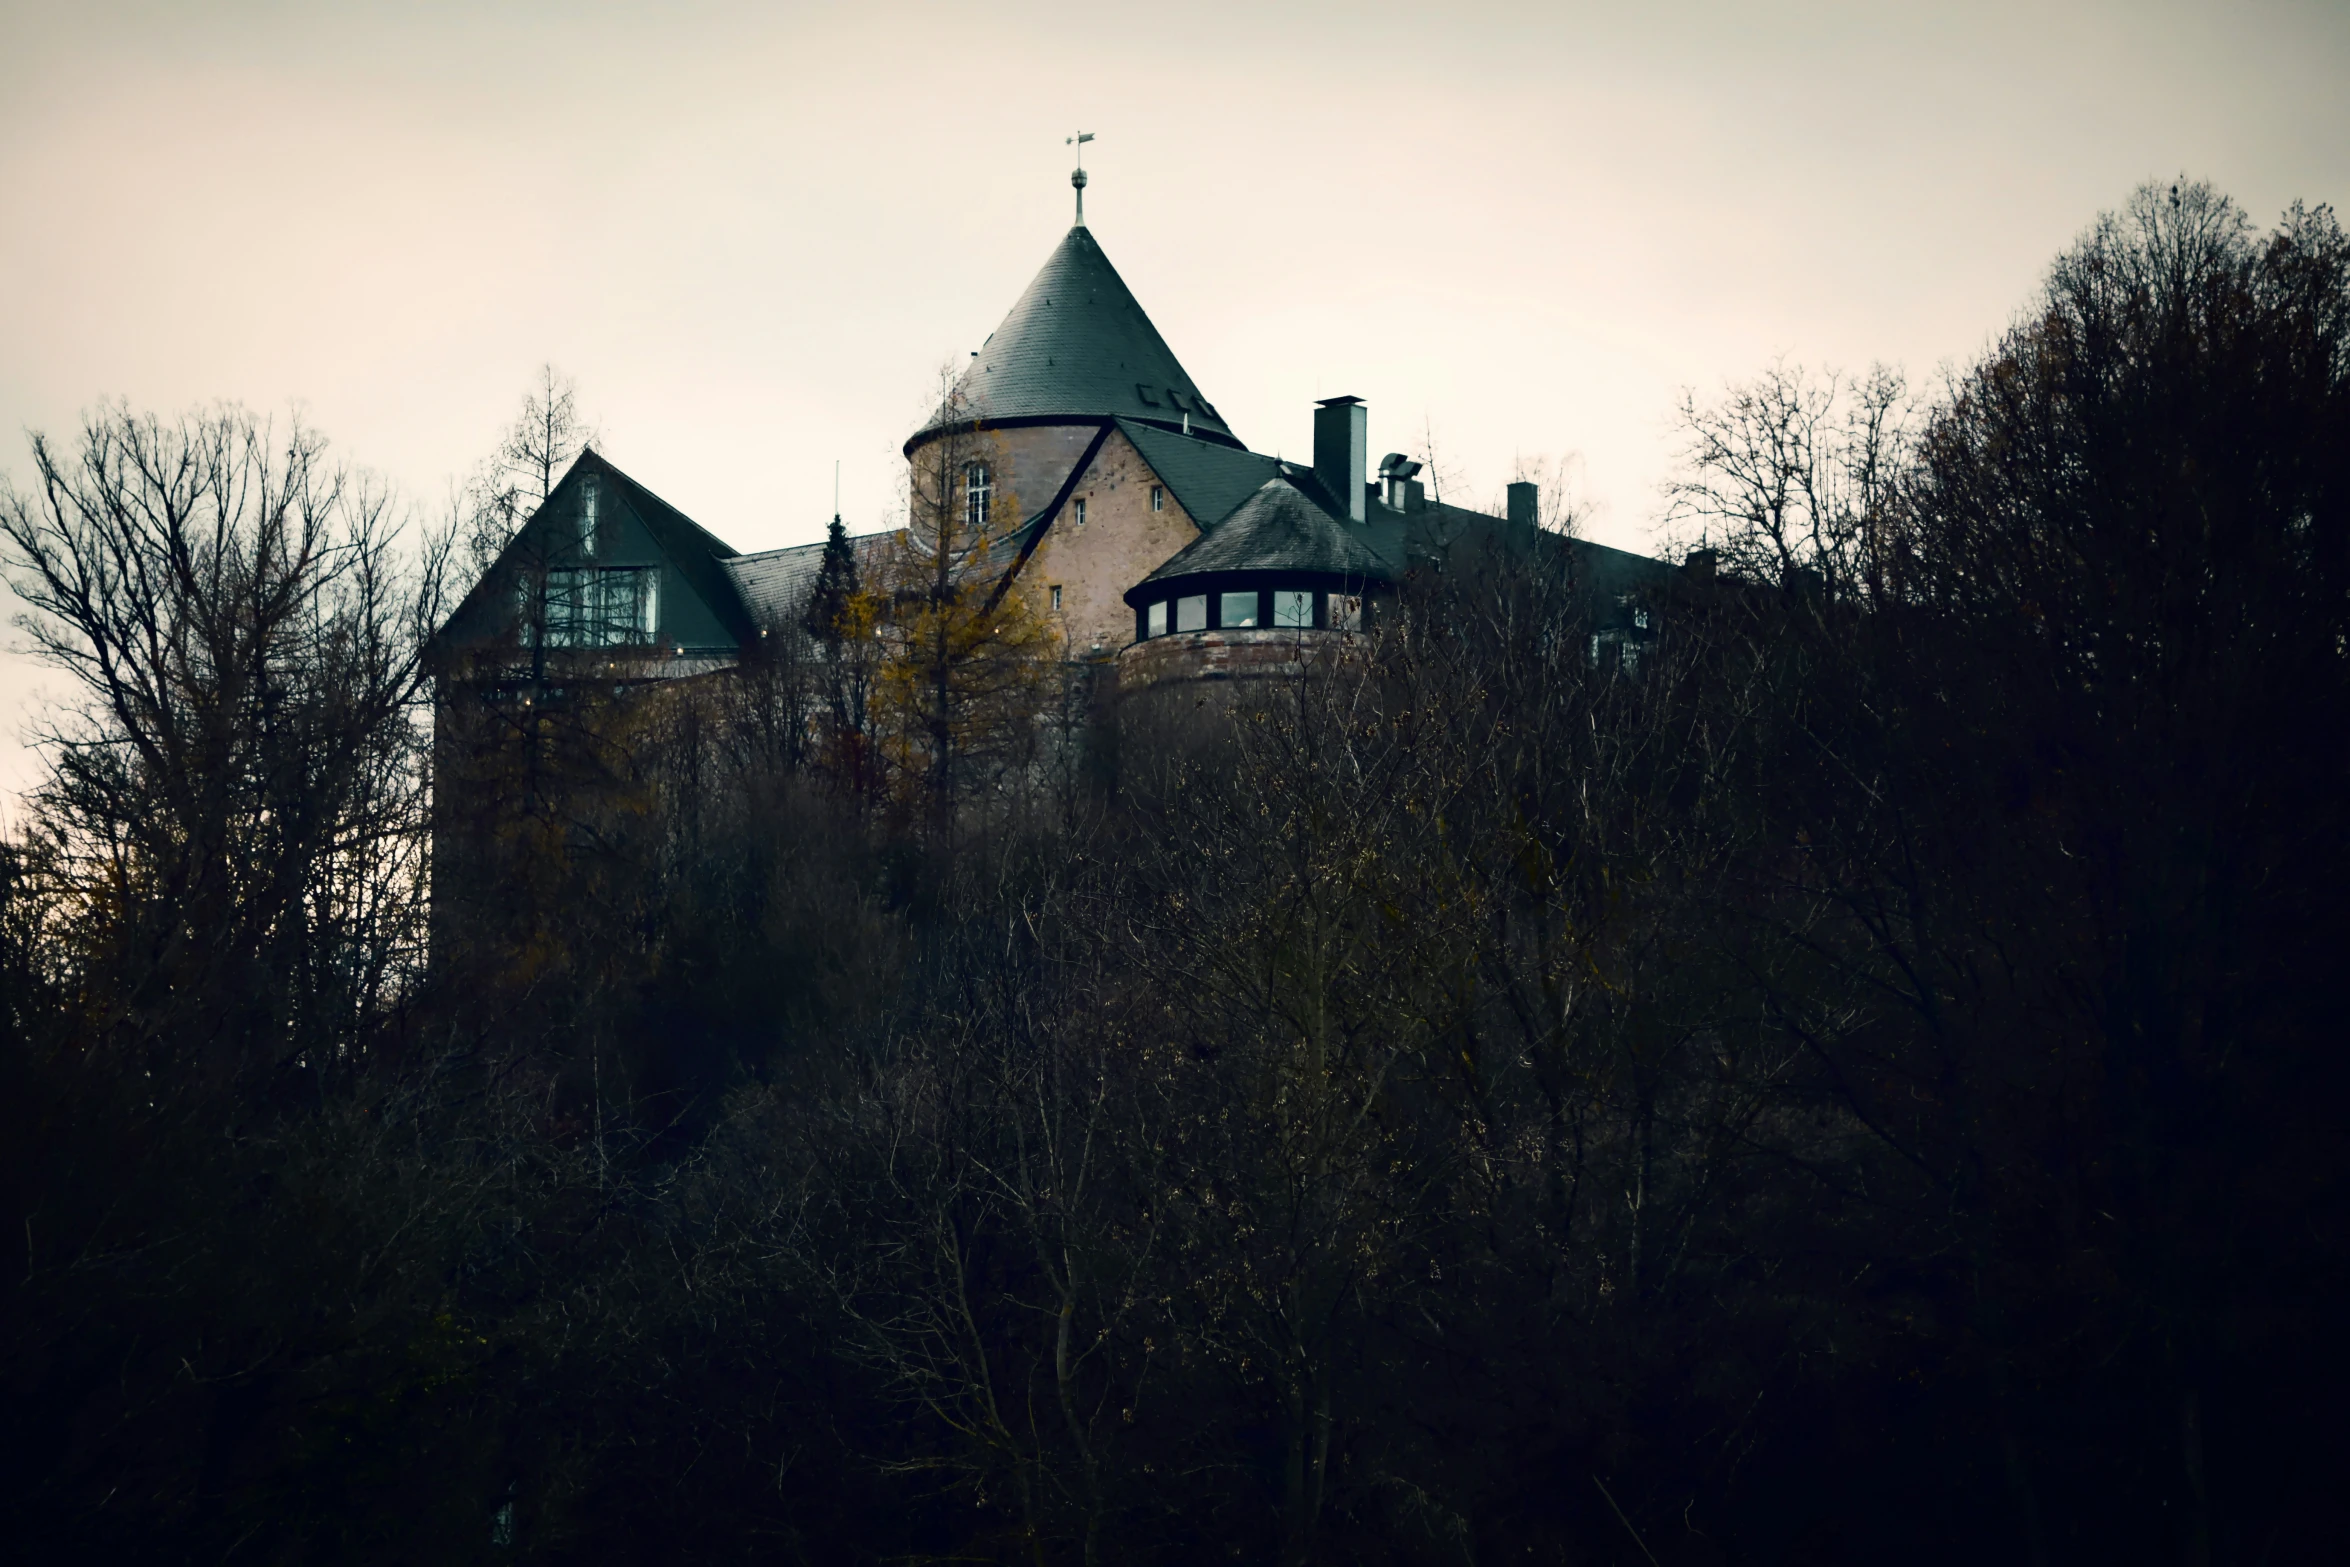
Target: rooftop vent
[1399, 490]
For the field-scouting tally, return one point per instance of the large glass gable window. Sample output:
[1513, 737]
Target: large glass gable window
[602, 606]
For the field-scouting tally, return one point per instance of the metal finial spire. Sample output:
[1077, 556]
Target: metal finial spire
[1077, 175]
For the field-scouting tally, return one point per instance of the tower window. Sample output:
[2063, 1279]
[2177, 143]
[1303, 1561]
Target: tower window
[1158, 497]
[1081, 511]
[1292, 608]
[1238, 609]
[1191, 614]
[1157, 619]
[978, 492]
[1056, 600]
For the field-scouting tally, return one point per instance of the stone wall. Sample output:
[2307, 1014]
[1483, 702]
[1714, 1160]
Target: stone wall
[1093, 563]
[1236, 655]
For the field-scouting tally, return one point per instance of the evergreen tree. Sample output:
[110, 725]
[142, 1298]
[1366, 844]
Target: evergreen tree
[836, 585]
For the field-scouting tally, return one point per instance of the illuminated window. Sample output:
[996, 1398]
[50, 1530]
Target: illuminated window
[1191, 614]
[1293, 609]
[978, 491]
[1157, 620]
[1158, 497]
[1239, 609]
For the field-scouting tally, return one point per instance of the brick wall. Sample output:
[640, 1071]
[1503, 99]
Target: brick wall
[1252, 654]
[1120, 542]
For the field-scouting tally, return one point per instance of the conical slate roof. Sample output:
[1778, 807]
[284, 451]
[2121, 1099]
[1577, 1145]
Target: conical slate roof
[1279, 528]
[1078, 346]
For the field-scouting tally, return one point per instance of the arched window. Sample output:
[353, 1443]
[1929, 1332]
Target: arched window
[978, 490]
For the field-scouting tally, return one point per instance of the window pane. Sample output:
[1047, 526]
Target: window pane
[1346, 612]
[1158, 498]
[563, 589]
[1191, 614]
[1292, 609]
[1158, 619]
[1239, 609]
[977, 492]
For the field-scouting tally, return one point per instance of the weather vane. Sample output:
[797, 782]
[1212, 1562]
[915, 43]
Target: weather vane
[1077, 176]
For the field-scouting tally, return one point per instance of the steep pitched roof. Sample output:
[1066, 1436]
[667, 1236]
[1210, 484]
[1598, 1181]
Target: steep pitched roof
[1078, 346]
[1209, 479]
[1279, 528]
[694, 552]
[775, 584]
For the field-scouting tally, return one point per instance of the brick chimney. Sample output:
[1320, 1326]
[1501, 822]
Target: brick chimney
[1342, 450]
[1525, 504]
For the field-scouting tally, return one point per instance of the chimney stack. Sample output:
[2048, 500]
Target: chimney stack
[1526, 504]
[1342, 449]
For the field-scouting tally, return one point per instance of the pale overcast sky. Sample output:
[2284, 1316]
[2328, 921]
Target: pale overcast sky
[753, 233]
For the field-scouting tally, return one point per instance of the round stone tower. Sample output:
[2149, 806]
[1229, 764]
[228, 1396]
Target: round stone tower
[1075, 353]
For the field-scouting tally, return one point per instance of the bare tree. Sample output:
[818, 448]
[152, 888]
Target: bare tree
[236, 795]
[516, 479]
[1794, 472]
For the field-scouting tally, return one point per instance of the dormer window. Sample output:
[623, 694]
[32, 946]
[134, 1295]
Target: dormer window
[978, 493]
[588, 515]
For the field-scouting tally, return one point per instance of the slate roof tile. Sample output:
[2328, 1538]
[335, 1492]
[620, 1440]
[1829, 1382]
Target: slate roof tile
[1077, 345]
[1279, 528]
[1209, 480]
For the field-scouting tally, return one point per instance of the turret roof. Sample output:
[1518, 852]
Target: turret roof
[1279, 528]
[1078, 346]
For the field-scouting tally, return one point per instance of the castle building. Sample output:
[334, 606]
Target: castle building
[1106, 487]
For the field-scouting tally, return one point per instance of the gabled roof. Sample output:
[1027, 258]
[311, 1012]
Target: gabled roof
[1209, 479]
[1078, 346]
[694, 552]
[1279, 528]
[775, 584]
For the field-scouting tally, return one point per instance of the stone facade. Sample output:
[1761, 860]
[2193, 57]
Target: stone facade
[1260, 654]
[1093, 563]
